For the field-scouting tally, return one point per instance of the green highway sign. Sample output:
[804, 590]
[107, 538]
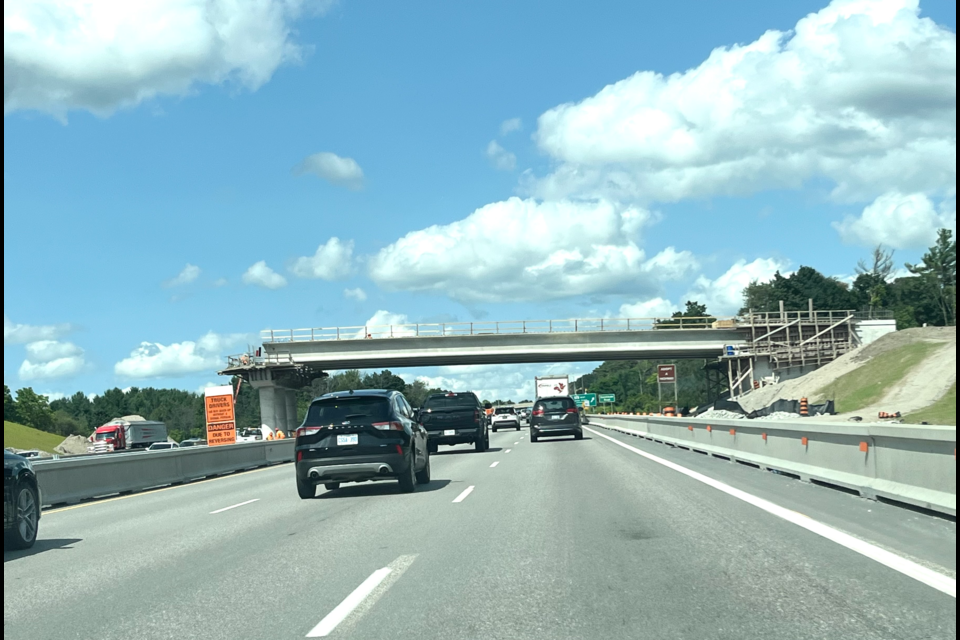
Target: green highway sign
[608, 398]
[585, 399]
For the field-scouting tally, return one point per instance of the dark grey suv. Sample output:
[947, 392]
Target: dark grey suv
[557, 416]
[356, 436]
[21, 502]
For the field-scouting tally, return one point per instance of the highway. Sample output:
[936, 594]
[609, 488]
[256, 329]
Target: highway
[559, 540]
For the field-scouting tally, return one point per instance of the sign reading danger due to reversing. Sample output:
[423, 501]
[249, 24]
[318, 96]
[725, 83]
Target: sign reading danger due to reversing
[221, 419]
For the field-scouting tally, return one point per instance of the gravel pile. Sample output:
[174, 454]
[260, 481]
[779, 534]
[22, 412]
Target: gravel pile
[781, 415]
[721, 414]
[72, 445]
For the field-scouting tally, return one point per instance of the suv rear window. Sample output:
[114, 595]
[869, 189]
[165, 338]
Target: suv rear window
[501, 410]
[453, 400]
[356, 409]
[555, 404]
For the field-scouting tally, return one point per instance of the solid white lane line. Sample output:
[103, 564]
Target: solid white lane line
[234, 506]
[466, 492]
[366, 594]
[908, 568]
[494, 464]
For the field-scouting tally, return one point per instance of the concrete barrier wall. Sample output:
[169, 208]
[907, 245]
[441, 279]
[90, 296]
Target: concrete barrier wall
[914, 465]
[71, 480]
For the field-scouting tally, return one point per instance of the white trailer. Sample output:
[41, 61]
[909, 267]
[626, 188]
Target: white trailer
[552, 386]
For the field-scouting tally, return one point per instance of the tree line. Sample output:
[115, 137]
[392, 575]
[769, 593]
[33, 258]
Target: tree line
[181, 411]
[926, 295]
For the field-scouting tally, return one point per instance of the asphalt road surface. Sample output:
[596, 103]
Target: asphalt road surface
[559, 540]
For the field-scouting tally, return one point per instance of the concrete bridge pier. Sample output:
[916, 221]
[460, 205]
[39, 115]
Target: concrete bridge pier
[278, 403]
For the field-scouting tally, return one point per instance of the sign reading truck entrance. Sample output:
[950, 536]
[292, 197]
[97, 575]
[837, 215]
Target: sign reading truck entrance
[221, 421]
[666, 373]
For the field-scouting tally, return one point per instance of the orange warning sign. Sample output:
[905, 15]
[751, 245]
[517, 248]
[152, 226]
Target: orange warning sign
[221, 425]
[219, 408]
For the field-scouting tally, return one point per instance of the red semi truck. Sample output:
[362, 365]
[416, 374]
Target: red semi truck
[130, 432]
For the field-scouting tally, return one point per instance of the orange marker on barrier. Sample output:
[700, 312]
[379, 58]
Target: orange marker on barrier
[764, 436]
[864, 447]
[689, 427]
[804, 441]
[733, 432]
[709, 428]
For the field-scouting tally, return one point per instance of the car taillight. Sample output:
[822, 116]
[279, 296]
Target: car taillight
[307, 431]
[573, 411]
[389, 426]
[299, 456]
[538, 412]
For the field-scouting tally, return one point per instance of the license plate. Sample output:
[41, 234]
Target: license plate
[557, 417]
[348, 440]
[449, 432]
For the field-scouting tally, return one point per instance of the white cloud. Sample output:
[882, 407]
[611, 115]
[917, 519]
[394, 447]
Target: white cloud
[261, 275]
[103, 55]
[524, 250]
[50, 359]
[653, 308]
[187, 275]
[900, 221]
[497, 382]
[509, 126]
[861, 94]
[384, 324]
[357, 294]
[344, 172]
[221, 282]
[724, 295]
[331, 261]
[14, 333]
[154, 360]
[500, 157]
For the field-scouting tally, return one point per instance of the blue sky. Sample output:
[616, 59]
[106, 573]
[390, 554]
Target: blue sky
[493, 160]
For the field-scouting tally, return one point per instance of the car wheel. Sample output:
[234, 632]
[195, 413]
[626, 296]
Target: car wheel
[518, 428]
[24, 532]
[579, 435]
[306, 490]
[423, 476]
[331, 486]
[433, 447]
[482, 444]
[408, 481]
[494, 429]
[534, 438]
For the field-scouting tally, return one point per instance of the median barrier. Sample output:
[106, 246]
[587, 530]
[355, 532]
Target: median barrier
[70, 480]
[907, 464]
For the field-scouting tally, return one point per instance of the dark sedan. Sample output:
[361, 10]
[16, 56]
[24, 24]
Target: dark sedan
[21, 502]
[555, 417]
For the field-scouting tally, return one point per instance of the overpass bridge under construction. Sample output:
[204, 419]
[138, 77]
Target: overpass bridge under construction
[753, 349]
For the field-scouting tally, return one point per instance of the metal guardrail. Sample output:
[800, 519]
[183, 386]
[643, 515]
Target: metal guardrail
[501, 327]
[912, 465]
[70, 480]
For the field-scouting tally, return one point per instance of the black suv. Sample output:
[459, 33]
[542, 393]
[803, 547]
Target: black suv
[555, 417]
[455, 418]
[355, 436]
[21, 502]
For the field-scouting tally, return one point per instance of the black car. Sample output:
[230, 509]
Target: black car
[356, 436]
[557, 416]
[455, 418]
[21, 502]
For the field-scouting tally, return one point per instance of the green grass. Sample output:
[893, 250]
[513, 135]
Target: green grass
[866, 385]
[943, 411]
[19, 436]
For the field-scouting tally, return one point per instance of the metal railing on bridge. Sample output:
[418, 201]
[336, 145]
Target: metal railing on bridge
[501, 327]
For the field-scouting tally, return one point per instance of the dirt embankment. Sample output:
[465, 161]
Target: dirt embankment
[917, 388]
